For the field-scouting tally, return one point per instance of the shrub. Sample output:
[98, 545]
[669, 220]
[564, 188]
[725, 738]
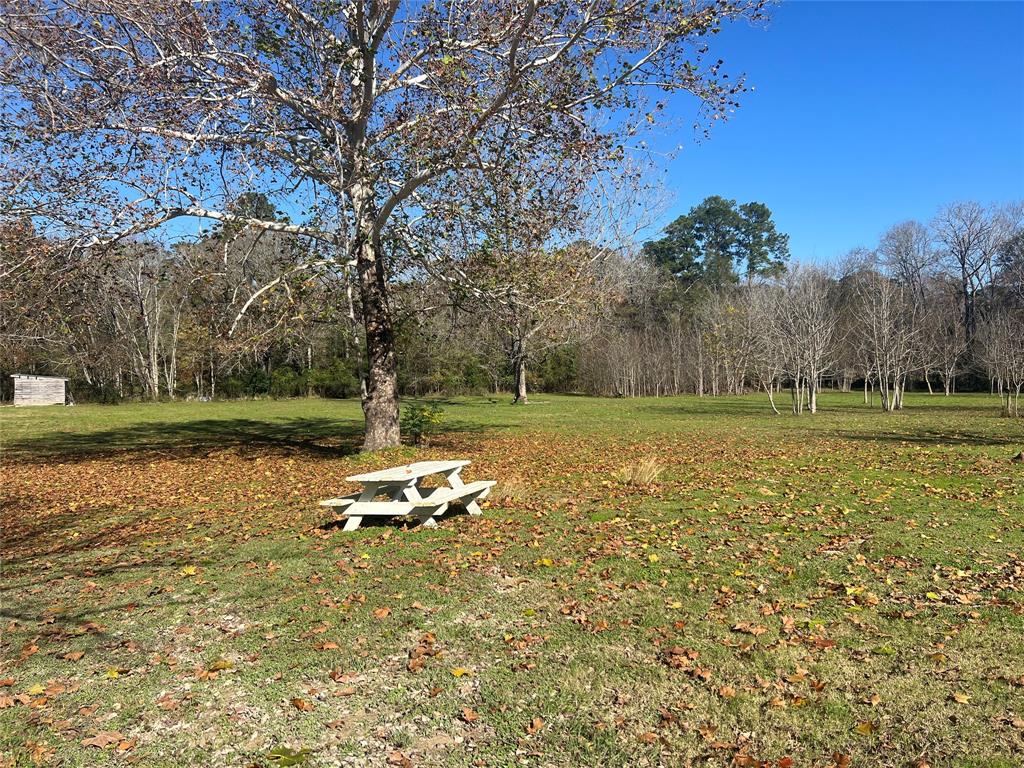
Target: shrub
[338, 379]
[417, 421]
[286, 382]
[255, 382]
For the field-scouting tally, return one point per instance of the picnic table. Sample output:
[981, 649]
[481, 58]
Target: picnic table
[405, 494]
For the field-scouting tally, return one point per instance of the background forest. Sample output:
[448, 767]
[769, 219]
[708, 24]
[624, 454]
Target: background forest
[715, 306]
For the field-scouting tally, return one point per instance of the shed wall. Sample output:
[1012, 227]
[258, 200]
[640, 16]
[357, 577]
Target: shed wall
[38, 390]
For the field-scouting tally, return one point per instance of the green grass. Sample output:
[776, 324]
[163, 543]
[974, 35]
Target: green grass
[844, 584]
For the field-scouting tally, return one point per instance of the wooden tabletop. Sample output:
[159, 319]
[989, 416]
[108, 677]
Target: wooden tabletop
[412, 471]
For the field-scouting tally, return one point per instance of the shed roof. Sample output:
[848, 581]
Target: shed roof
[33, 376]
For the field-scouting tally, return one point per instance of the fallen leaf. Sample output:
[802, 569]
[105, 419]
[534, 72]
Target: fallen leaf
[103, 739]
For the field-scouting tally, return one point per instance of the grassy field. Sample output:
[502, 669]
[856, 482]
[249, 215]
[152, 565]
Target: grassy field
[844, 589]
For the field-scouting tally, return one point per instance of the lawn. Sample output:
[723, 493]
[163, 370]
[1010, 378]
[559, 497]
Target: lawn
[842, 589]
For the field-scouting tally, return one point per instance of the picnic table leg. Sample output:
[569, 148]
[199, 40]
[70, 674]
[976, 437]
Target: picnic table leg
[427, 518]
[412, 493]
[404, 489]
[455, 481]
[369, 492]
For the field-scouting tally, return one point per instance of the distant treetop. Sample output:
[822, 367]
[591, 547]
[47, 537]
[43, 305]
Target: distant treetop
[718, 242]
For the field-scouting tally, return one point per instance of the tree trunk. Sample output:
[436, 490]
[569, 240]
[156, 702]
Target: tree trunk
[309, 370]
[519, 367]
[380, 399]
[768, 387]
[521, 383]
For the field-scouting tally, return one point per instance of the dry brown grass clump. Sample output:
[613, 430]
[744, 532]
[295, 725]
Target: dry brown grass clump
[510, 492]
[643, 472]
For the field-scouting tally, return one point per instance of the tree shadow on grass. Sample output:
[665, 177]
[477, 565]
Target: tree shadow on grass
[38, 546]
[729, 405]
[398, 522]
[324, 438]
[930, 437]
[26, 596]
[701, 406]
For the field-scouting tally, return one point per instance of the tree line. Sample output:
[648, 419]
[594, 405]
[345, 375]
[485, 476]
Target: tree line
[241, 312]
[940, 304]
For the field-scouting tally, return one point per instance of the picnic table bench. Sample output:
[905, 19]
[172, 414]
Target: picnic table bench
[405, 494]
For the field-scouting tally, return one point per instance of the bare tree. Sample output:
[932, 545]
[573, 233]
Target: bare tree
[727, 338]
[943, 347]
[963, 230]
[768, 360]
[906, 252]
[1003, 354]
[806, 329]
[891, 333]
[1011, 268]
[542, 300]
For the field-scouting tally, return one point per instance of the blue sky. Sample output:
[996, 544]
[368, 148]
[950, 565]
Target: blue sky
[864, 114]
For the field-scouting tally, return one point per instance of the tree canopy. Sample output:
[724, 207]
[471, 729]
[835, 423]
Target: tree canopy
[719, 241]
[371, 121]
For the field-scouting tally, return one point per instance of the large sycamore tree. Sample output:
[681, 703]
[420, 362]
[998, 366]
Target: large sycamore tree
[119, 116]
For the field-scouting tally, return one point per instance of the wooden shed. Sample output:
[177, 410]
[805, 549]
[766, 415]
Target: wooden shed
[39, 390]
